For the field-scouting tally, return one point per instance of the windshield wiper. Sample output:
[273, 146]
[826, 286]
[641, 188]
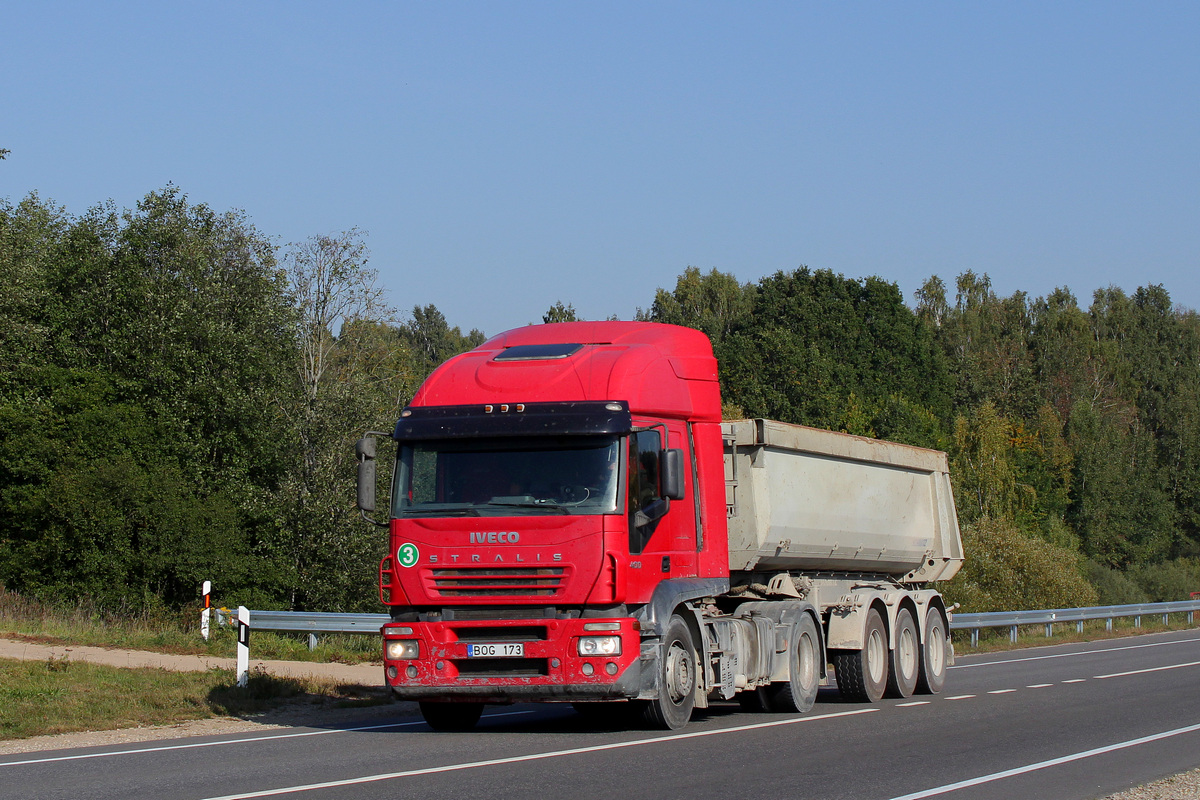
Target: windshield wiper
[539, 504]
[448, 511]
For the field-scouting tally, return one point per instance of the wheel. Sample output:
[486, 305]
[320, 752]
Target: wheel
[676, 679]
[799, 692]
[862, 674]
[904, 661]
[931, 677]
[451, 716]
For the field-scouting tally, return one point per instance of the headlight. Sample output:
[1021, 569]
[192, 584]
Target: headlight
[403, 650]
[600, 645]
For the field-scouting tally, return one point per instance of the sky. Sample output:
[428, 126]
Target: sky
[502, 157]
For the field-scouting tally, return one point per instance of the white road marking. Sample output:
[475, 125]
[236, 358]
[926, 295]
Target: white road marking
[1073, 655]
[1076, 680]
[961, 697]
[914, 703]
[225, 742]
[1039, 685]
[1008, 773]
[1151, 669]
[1001, 691]
[679, 737]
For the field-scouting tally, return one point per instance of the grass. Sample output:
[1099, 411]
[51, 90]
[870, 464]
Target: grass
[178, 633]
[63, 696]
[993, 640]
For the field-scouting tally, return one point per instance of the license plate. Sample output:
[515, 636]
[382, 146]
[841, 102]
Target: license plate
[498, 650]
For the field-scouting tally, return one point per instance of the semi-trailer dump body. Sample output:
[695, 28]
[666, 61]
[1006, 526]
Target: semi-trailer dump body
[570, 520]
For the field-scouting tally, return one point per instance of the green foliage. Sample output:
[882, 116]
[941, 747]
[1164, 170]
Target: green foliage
[1114, 588]
[1007, 569]
[1168, 581]
[818, 349]
[432, 340]
[559, 313]
[139, 420]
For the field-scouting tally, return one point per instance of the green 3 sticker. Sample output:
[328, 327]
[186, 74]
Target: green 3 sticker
[408, 554]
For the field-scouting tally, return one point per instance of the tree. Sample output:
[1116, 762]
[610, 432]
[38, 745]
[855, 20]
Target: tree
[714, 303]
[151, 415]
[352, 374]
[819, 349]
[559, 313]
[433, 341]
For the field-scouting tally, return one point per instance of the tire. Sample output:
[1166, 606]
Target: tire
[862, 674]
[905, 660]
[931, 677]
[798, 693]
[672, 709]
[448, 717]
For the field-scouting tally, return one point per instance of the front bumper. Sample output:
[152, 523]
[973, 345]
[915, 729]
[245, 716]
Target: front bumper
[549, 669]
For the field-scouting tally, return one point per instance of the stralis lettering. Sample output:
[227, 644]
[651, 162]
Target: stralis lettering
[476, 558]
[503, 537]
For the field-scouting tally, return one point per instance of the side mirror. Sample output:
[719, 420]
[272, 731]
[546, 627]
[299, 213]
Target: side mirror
[671, 473]
[364, 450]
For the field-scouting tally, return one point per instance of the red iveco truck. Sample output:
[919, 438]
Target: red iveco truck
[571, 520]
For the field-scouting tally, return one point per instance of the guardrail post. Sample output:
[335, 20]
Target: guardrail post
[1165, 619]
[1079, 626]
[1012, 634]
[974, 637]
[1191, 617]
[312, 642]
[243, 646]
[206, 614]
[1108, 624]
[1137, 621]
[1049, 629]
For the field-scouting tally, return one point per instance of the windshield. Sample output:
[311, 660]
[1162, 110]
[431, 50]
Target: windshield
[507, 477]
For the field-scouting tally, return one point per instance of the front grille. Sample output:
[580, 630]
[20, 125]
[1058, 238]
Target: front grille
[501, 633]
[501, 667]
[498, 581]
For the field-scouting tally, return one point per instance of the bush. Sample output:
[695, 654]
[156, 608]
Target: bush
[1114, 588]
[1169, 580]
[1009, 570]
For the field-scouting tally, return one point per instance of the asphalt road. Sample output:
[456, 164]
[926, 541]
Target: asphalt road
[1069, 721]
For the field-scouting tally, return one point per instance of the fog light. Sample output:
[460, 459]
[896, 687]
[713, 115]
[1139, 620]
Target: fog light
[600, 645]
[391, 672]
[410, 672]
[610, 668]
[587, 669]
[403, 650]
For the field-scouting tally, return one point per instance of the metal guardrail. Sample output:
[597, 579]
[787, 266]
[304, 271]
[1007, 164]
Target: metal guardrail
[325, 622]
[314, 622]
[1057, 616]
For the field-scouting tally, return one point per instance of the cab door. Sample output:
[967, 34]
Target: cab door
[662, 533]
